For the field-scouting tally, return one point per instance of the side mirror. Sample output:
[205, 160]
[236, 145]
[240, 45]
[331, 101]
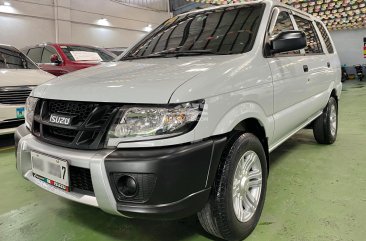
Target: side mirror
[54, 59]
[288, 41]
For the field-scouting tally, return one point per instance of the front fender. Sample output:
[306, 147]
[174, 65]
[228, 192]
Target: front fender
[242, 112]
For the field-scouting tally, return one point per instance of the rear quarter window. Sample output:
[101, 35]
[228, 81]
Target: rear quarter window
[326, 37]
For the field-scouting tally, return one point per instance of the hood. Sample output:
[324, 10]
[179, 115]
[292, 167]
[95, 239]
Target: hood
[152, 80]
[20, 77]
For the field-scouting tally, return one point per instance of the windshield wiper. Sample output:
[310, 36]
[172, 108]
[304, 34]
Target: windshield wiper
[130, 57]
[174, 53]
[186, 52]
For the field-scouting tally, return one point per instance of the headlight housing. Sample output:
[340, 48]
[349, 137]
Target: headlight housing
[154, 122]
[30, 106]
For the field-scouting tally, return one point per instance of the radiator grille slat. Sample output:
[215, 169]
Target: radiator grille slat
[14, 95]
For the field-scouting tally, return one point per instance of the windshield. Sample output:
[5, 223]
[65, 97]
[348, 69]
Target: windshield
[230, 30]
[82, 53]
[11, 58]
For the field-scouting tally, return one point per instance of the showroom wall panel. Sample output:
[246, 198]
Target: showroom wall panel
[75, 21]
[349, 44]
[103, 37]
[21, 30]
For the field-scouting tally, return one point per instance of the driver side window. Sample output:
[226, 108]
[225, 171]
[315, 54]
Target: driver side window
[284, 23]
[47, 53]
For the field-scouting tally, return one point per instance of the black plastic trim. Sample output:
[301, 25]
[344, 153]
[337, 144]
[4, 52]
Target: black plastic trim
[176, 210]
[183, 174]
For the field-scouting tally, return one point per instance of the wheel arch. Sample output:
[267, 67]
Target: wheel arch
[254, 126]
[334, 94]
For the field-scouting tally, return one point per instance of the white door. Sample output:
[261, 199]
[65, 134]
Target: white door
[318, 63]
[290, 77]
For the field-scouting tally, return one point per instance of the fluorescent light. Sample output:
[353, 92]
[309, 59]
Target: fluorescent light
[5, 7]
[148, 28]
[103, 21]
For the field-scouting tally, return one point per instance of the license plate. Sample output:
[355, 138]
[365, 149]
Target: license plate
[19, 112]
[51, 170]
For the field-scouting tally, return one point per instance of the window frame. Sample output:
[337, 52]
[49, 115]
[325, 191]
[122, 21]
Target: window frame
[21, 55]
[316, 22]
[276, 10]
[304, 17]
[50, 63]
[42, 48]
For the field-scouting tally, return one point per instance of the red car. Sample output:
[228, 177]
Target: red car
[59, 59]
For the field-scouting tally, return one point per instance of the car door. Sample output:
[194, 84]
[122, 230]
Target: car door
[333, 64]
[289, 80]
[318, 65]
[47, 65]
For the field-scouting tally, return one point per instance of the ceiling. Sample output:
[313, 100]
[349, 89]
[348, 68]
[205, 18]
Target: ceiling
[336, 14]
[157, 5]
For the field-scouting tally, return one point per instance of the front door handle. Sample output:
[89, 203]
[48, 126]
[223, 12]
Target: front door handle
[328, 64]
[306, 68]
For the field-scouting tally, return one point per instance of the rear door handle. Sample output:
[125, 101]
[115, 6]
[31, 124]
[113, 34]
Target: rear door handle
[306, 68]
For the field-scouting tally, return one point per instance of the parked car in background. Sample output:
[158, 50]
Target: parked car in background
[185, 122]
[18, 76]
[59, 59]
[117, 50]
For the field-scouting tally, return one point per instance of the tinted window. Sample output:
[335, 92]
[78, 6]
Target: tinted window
[313, 43]
[326, 38]
[284, 23]
[47, 53]
[12, 59]
[35, 54]
[82, 53]
[231, 30]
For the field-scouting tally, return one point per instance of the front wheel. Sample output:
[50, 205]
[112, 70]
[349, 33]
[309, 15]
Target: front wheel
[326, 125]
[238, 194]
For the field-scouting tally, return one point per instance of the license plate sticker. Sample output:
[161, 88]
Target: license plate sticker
[19, 113]
[51, 170]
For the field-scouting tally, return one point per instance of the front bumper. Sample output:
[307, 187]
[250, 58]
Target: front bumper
[10, 118]
[174, 181]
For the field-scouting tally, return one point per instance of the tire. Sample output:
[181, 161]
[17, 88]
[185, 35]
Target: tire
[219, 217]
[326, 125]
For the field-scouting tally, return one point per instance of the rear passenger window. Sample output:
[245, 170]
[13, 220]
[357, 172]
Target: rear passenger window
[313, 43]
[284, 23]
[326, 38]
[11, 59]
[35, 54]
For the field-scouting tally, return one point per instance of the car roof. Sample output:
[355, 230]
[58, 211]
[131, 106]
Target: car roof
[58, 44]
[271, 3]
[8, 46]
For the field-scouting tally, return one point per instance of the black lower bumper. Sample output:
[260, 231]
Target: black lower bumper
[172, 182]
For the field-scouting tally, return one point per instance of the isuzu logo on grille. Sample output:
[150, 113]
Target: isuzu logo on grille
[62, 120]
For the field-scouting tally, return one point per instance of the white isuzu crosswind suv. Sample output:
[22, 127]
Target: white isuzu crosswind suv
[184, 122]
[18, 76]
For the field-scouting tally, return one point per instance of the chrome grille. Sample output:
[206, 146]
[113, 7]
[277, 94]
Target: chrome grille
[14, 95]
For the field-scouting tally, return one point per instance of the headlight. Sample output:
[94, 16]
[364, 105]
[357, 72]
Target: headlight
[30, 106]
[146, 123]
